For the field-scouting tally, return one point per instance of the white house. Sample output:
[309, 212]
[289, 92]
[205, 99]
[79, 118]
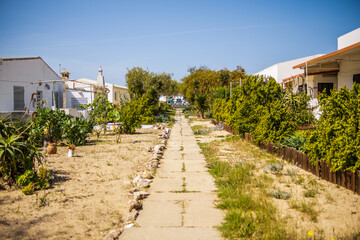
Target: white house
[83, 91]
[334, 70]
[283, 70]
[25, 82]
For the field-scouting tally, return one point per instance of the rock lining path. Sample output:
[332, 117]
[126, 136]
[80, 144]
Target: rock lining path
[181, 201]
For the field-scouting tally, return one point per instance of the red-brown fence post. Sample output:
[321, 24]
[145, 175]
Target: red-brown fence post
[358, 181]
[353, 182]
[348, 179]
[330, 174]
[317, 169]
[342, 182]
[305, 162]
[271, 148]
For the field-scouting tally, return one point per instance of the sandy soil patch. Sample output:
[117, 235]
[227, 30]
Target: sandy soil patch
[87, 198]
[213, 133]
[328, 210]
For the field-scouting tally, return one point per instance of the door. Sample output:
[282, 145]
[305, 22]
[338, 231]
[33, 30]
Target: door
[325, 86]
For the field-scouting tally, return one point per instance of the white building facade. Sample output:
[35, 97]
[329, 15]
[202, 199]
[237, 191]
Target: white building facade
[284, 70]
[25, 83]
[83, 91]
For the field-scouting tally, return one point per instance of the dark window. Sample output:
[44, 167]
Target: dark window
[356, 78]
[302, 88]
[325, 86]
[19, 93]
[55, 99]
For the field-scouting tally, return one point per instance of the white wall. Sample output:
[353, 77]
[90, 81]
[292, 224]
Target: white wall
[347, 70]
[271, 71]
[321, 78]
[71, 93]
[19, 72]
[284, 70]
[349, 39]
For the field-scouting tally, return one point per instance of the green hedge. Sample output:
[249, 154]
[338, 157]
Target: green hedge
[261, 107]
[337, 137]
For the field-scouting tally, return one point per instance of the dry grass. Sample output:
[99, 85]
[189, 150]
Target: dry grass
[88, 197]
[315, 205]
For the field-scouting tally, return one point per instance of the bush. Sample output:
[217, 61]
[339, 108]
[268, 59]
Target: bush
[336, 139]
[48, 125]
[162, 118]
[55, 126]
[296, 141]
[18, 155]
[261, 107]
[77, 131]
[31, 181]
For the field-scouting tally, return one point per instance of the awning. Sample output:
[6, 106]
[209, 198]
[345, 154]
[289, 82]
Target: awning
[329, 63]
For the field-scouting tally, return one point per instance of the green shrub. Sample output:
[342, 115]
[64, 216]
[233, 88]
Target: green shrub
[18, 155]
[48, 125]
[280, 195]
[336, 139]
[31, 181]
[261, 107]
[77, 131]
[296, 141]
[162, 118]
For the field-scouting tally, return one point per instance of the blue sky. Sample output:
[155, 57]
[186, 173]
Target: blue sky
[171, 36]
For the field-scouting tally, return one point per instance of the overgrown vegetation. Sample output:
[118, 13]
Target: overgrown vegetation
[145, 89]
[55, 126]
[336, 139]
[19, 157]
[244, 197]
[199, 86]
[296, 141]
[261, 107]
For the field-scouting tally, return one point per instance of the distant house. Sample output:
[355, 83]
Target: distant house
[334, 70]
[83, 91]
[25, 82]
[283, 70]
[117, 93]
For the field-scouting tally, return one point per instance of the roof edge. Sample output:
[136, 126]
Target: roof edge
[328, 55]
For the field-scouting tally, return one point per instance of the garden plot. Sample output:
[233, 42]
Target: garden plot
[306, 205]
[88, 197]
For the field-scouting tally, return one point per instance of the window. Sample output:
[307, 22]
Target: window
[19, 93]
[55, 99]
[325, 86]
[302, 88]
[116, 96]
[75, 102]
[356, 78]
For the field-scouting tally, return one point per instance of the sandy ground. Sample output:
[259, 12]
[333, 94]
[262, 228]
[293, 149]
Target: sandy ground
[335, 210]
[88, 197]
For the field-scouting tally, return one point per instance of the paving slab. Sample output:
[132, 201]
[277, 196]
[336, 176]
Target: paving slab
[171, 234]
[166, 185]
[201, 213]
[175, 210]
[161, 213]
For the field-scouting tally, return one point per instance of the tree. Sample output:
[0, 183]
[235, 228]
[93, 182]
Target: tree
[201, 104]
[203, 82]
[99, 113]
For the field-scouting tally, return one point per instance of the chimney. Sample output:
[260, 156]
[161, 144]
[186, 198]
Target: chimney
[65, 77]
[100, 78]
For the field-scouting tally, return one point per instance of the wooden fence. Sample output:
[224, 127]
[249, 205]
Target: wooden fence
[346, 179]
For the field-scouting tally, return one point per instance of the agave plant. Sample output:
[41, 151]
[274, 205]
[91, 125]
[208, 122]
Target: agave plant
[11, 155]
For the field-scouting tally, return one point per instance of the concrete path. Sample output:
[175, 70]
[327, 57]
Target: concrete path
[181, 201]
